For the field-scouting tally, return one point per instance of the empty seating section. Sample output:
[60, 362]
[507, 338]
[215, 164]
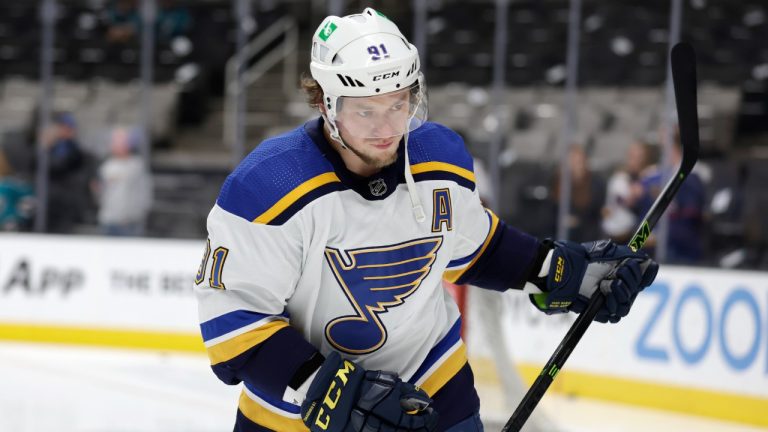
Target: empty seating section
[621, 44]
[96, 75]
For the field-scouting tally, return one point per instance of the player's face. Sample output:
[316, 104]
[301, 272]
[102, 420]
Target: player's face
[372, 127]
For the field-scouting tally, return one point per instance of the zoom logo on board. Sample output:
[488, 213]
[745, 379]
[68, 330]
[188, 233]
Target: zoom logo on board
[691, 326]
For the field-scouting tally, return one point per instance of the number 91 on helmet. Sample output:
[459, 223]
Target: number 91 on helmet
[370, 77]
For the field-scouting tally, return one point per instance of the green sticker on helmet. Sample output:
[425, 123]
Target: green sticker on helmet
[327, 31]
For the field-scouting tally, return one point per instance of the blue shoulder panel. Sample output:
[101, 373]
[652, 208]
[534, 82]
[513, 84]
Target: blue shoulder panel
[434, 142]
[277, 179]
[437, 152]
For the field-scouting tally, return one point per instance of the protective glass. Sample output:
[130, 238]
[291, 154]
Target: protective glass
[383, 116]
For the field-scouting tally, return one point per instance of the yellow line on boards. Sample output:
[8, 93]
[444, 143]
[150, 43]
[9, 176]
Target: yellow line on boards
[720, 405]
[116, 338]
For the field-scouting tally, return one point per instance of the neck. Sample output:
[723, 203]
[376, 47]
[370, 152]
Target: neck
[351, 160]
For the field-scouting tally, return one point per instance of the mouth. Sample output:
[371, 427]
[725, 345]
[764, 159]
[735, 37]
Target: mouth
[382, 145]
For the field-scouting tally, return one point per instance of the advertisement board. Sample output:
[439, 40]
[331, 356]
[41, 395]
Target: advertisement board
[695, 341]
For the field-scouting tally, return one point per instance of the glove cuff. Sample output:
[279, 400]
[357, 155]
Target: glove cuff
[297, 388]
[562, 281]
[534, 272]
[306, 370]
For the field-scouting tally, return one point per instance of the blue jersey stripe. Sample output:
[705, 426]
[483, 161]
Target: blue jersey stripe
[456, 400]
[445, 175]
[244, 424]
[231, 321]
[277, 403]
[453, 336]
[461, 261]
[304, 200]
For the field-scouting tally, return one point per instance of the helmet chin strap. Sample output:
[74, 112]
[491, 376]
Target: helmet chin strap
[418, 209]
[334, 130]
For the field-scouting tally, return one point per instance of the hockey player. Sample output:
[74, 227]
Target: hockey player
[320, 288]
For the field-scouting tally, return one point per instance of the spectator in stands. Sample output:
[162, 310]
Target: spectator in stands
[66, 187]
[587, 197]
[623, 191]
[124, 186]
[16, 199]
[125, 21]
[173, 20]
[686, 212]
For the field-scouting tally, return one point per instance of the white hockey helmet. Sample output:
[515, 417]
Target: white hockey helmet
[365, 56]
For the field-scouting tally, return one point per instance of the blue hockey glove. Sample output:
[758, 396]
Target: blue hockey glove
[345, 397]
[577, 270]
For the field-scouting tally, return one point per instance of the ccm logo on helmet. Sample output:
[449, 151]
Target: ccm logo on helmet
[386, 76]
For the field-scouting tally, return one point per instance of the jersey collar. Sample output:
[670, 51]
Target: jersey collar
[376, 187]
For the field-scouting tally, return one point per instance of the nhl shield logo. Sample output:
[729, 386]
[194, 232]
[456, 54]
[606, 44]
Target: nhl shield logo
[378, 187]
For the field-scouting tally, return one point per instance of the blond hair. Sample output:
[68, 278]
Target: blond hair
[313, 91]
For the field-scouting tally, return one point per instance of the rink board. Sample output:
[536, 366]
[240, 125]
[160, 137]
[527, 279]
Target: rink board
[696, 341]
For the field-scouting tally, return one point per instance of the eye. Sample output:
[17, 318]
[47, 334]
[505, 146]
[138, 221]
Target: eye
[398, 107]
[364, 114]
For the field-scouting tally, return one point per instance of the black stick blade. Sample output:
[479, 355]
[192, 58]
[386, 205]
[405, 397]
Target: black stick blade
[684, 81]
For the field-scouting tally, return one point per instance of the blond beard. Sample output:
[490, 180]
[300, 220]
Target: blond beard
[371, 161]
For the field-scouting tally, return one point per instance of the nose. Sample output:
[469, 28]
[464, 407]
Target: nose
[387, 126]
[383, 128]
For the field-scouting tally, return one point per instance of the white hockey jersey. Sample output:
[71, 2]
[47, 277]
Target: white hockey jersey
[296, 239]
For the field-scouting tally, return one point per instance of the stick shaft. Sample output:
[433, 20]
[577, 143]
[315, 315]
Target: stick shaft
[684, 78]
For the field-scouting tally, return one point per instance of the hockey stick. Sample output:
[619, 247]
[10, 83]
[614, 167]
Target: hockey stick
[684, 81]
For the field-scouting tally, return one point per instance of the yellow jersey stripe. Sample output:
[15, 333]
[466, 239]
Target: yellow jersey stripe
[239, 344]
[268, 419]
[294, 196]
[442, 166]
[447, 370]
[453, 275]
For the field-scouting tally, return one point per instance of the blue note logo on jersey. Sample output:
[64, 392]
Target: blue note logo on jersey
[376, 279]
